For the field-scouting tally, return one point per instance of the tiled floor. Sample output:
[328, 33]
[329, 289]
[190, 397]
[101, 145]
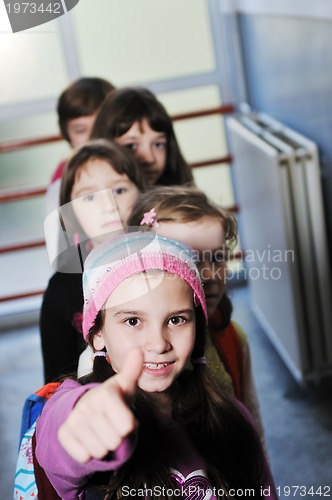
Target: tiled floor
[298, 422]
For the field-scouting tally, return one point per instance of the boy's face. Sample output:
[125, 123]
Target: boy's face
[102, 199]
[207, 237]
[79, 129]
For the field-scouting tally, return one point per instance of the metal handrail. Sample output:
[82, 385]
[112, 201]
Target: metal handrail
[213, 161]
[236, 256]
[22, 246]
[7, 147]
[25, 295]
[225, 109]
[22, 194]
[16, 145]
[17, 247]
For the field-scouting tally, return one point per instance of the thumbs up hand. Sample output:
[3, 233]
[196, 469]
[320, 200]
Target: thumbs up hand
[102, 418]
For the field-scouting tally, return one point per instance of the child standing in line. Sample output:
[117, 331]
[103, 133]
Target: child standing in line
[77, 108]
[148, 420]
[99, 186]
[186, 214]
[135, 118]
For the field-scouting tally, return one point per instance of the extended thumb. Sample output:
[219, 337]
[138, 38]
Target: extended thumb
[131, 371]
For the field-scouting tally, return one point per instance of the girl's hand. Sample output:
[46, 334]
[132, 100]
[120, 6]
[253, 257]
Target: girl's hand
[102, 418]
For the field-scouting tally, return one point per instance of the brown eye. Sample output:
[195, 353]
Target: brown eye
[132, 321]
[176, 320]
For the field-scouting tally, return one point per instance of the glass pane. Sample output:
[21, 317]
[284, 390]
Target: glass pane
[32, 166]
[143, 40]
[34, 64]
[194, 99]
[202, 139]
[216, 182]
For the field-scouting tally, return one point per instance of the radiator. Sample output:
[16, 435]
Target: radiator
[282, 228]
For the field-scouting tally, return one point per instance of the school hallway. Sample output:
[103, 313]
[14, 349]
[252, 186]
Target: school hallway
[298, 421]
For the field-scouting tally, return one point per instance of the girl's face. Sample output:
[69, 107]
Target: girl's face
[207, 237]
[149, 147]
[102, 199]
[153, 311]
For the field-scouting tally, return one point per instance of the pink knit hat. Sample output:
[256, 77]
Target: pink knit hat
[118, 259]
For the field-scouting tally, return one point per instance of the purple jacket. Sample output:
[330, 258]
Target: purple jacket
[70, 477]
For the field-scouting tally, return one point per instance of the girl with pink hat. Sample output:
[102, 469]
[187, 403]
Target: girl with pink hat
[149, 421]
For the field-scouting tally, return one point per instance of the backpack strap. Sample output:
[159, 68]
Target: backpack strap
[33, 406]
[45, 488]
[48, 390]
[229, 347]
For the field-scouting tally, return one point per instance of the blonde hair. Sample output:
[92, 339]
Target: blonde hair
[181, 204]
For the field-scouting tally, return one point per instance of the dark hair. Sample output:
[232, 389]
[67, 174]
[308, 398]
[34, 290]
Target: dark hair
[123, 107]
[117, 157]
[82, 98]
[216, 426]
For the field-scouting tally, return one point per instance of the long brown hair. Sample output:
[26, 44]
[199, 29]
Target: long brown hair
[116, 156]
[125, 106]
[216, 426]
